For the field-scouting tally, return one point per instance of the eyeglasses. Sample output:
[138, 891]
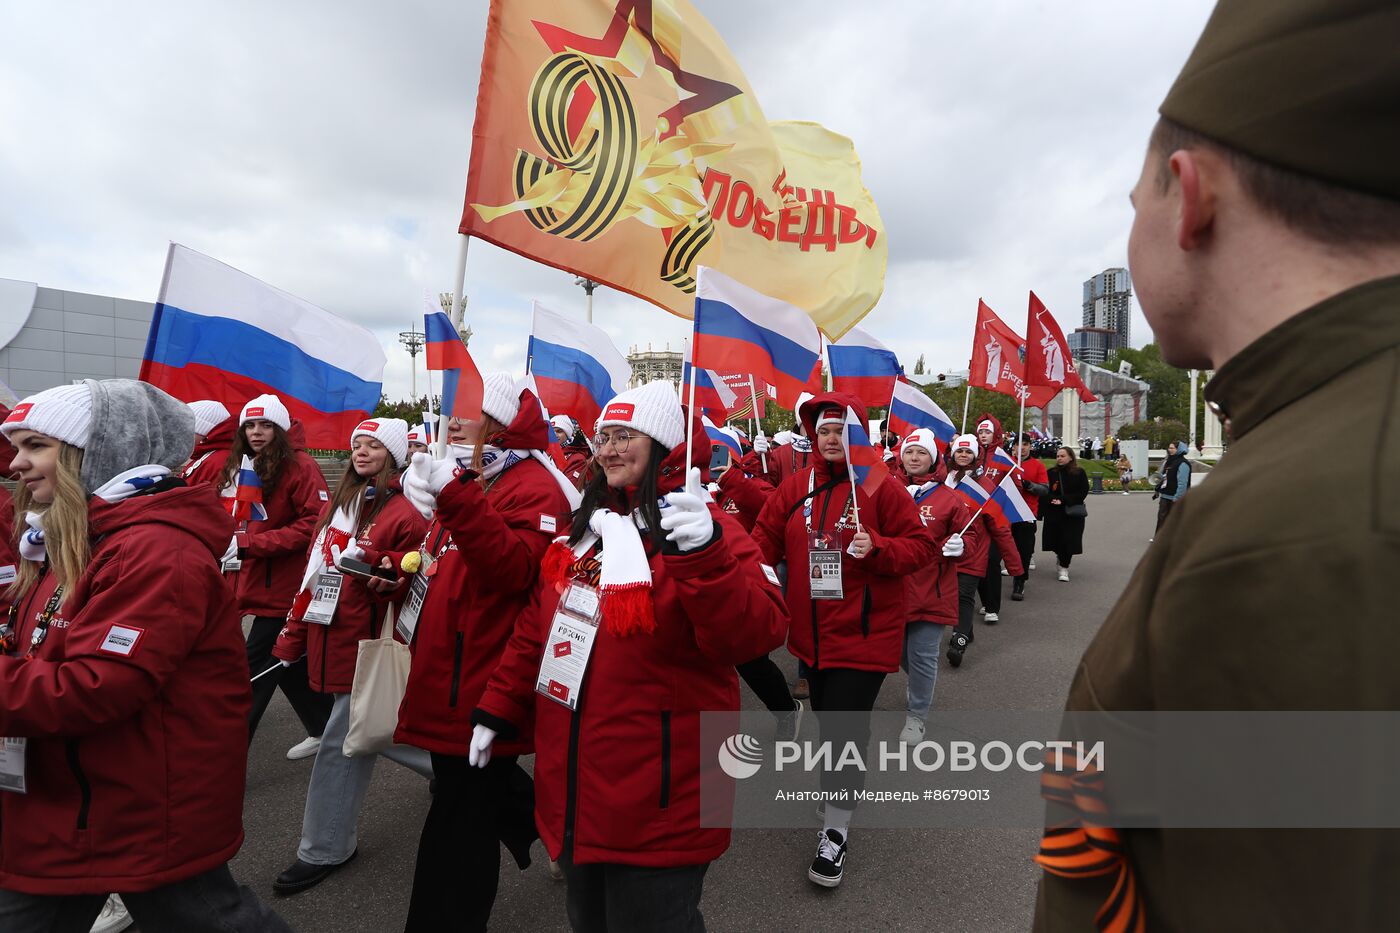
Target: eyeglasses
[619, 441]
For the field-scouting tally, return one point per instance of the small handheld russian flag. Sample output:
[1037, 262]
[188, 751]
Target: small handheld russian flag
[1011, 502]
[1004, 460]
[864, 460]
[722, 438]
[462, 387]
[246, 504]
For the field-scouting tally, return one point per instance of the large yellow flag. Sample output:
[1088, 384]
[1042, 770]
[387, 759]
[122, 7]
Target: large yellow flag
[619, 140]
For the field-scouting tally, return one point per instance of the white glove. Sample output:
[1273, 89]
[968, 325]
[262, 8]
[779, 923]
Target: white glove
[232, 551]
[760, 444]
[352, 551]
[424, 479]
[479, 752]
[686, 514]
[953, 547]
[712, 488]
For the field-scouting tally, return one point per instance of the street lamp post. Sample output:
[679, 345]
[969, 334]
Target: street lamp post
[587, 285]
[412, 340]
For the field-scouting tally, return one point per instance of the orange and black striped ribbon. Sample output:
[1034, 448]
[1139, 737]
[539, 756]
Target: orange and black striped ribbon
[1084, 847]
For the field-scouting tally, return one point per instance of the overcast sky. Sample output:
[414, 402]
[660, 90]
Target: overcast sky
[323, 147]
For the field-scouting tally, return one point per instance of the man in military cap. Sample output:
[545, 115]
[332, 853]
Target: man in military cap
[1266, 246]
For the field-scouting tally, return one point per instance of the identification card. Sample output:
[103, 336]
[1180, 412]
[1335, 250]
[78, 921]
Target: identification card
[232, 565]
[324, 598]
[407, 622]
[12, 765]
[570, 642]
[824, 565]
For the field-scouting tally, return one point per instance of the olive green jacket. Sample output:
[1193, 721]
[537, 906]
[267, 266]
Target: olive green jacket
[1273, 586]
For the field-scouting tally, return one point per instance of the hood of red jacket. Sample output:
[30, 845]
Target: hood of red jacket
[997, 436]
[808, 413]
[528, 431]
[194, 509]
[296, 435]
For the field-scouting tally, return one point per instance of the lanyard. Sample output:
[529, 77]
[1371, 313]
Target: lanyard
[811, 494]
[9, 631]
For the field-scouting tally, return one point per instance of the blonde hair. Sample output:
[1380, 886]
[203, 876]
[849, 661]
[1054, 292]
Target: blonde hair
[65, 527]
[489, 428]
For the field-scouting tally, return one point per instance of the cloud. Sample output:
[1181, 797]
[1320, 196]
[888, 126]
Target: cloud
[323, 147]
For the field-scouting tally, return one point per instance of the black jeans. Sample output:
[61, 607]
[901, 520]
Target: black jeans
[1024, 535]
[843, 699]
[209, 903]
[967, 601]
[312, 708]
[766, 680]
[1164, 507]
[474, 811]
[610, 898]
[989, 589]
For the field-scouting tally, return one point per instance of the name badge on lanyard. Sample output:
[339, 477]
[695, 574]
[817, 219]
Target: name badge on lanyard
[12, 765]
[324, 597]
[823, 554]
[569, 645]
[407, 622]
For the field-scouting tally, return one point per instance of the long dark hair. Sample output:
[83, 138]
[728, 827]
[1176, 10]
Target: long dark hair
[597, 495]
[352, 488]
[1073, 465]
[267, 463]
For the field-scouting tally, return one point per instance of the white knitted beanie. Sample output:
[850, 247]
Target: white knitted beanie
[653, 409]
[500, 397]
[266, 408]
[207, 414]
[391, 432]
[922, 437]
[964, 442]
[63, 413]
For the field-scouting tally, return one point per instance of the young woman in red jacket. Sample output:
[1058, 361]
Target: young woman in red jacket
[848, 622]
[477, 569]
[1034, 482]
[635, 585]
[122, 666]
[367, 520]
[214, 430]
[265, 560]
[931, 592]
[977, 541]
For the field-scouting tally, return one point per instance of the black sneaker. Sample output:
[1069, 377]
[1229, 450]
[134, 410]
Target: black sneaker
[830, 862]
[300, 876]
[956, 649]
[1018, 592]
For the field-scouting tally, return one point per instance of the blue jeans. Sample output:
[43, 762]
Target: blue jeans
[338, 787]
[922, 643]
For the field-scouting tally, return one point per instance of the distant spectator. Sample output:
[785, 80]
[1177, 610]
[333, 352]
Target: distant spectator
[1176, 479]
[1125, 472]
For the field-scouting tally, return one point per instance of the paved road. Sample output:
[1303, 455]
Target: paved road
[895, 879]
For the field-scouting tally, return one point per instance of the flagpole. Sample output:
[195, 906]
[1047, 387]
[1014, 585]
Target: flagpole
[690, 420]
[846, 444]
[967, 400]
[1020, 430]
[973, 519]
[460, 283]
[757, 429]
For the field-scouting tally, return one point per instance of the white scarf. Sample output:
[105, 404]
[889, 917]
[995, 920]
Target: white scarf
[625, 578]
[495, 461]
[119, 487]
[340, 532]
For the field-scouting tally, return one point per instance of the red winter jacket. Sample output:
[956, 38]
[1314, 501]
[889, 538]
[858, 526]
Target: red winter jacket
[865, 629]
[977, 540]
[576, 461]
[619, 780]
[1032, 471]
[331, 650]
[276, 554]
[931, 592]
[135, 706]
[482, 587]
[206, 463]
[742, 496]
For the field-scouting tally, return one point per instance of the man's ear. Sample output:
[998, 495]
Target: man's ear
[1195, 172]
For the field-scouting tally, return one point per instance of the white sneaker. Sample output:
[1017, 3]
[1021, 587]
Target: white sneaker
[1032, 566]
[1064, 574]
[1003, 571]
[913, 732]
[992, 618]
[304, 749]
[113, 917]
[1125, 492]
[982, 610]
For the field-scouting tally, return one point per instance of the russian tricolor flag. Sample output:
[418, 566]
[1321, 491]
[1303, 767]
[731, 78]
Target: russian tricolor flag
[1011, 503]
[722, 438]
[246, 504]
[221, 334]
[863, 367]
[712, 394]
[864, 460]
[576, 368]
[911, 409]
[741, 330]
[462, 388]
